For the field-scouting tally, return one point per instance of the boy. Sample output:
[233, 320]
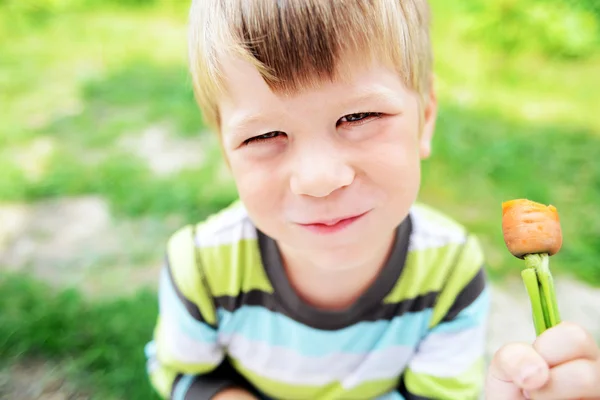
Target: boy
[326, 280]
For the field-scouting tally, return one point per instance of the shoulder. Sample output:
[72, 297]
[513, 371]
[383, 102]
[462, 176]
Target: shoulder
[222, 251]
[441, 241]
[435, 232]
[431, 228]
[451, 258]
[225, 227]
[443, 255]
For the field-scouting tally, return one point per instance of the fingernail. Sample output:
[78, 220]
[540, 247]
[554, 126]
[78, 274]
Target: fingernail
[527, 372]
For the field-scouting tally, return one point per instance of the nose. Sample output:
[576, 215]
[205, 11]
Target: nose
[320, 171]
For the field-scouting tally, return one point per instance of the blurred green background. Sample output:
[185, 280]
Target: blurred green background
[103, 153]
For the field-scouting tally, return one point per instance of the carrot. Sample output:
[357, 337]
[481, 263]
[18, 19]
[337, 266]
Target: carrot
[530, 228]
[532, 232]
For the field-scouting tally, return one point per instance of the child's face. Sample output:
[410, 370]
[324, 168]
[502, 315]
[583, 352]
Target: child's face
[347, 150]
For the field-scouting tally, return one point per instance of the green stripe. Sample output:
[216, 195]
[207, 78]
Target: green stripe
[467, 266]
[181, 250]
[467, 385]
[437, 218]
[234, 268]
[279, 390]
[162, 380]
[186, 368]
[418, 277]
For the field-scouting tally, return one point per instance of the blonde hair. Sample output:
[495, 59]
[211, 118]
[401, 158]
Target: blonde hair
[295, 44]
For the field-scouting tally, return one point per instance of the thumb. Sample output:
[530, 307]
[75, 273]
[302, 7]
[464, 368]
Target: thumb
[499, 389]
[514, 368]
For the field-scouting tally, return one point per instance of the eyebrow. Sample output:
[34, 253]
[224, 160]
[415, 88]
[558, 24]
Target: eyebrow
[237, 128]
[244, 121]
[378, 94]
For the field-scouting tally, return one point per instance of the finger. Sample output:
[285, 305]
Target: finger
[514, 367]
[572, 380]
[496, 389]
[566, 342]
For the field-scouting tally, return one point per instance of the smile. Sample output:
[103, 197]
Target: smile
[332, 225]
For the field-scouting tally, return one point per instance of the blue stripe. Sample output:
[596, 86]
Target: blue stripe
[150, 353]
[262, 325]
[150, 349]
[391, 396]
[193, 328]
[388, 396]
[472, 316]
[182, 387]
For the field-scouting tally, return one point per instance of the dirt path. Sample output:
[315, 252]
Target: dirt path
[76, 242]
[37, 380]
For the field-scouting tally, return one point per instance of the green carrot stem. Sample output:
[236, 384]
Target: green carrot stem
[545, 309]
[531, 284]
[540, 263]
[557, 318]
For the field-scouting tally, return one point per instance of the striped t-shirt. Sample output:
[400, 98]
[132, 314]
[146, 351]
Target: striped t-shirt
[228, 316]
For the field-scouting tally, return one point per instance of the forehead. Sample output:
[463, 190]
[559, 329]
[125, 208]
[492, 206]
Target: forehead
[247, 98]
[244, 82]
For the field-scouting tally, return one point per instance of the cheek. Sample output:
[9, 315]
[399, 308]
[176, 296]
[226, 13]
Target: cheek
[392, 164]
[258, 187]
[395, 153]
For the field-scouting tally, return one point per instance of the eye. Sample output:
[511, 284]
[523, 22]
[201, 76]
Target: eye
[263, 137]
[358, 118]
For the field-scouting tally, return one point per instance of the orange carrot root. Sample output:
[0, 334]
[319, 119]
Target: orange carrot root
[530, 228]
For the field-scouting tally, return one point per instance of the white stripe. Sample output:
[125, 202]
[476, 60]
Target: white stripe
[152, 365]
[227, 217]
[227, 227]
[449, 354]
[185, 349]
[173, 340]
[380, 365]
[288, 366]
[432, 229]
[233, 234]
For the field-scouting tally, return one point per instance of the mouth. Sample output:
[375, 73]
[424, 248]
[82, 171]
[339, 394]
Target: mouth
[332, 225]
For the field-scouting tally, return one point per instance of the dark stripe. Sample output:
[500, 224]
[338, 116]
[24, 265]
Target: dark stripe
[191, 308]
[408, 395]
[364, 308]
[467, 296]
[382, 312]
[205, 387]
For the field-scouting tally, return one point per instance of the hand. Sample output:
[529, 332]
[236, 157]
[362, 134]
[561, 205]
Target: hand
[234, 394]
[563, 363]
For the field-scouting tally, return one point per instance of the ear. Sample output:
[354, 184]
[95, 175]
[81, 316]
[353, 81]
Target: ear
[429, 119]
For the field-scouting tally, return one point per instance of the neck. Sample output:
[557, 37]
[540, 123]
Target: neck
[333, 288]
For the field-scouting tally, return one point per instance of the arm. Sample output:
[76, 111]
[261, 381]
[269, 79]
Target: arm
[185, 360]
[449, 363]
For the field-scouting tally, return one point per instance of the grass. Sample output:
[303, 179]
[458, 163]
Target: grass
[100, 344]
[498, 160]
[74, 84]
[116, 91]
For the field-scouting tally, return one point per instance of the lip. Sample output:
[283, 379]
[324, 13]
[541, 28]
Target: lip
[332, 225]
